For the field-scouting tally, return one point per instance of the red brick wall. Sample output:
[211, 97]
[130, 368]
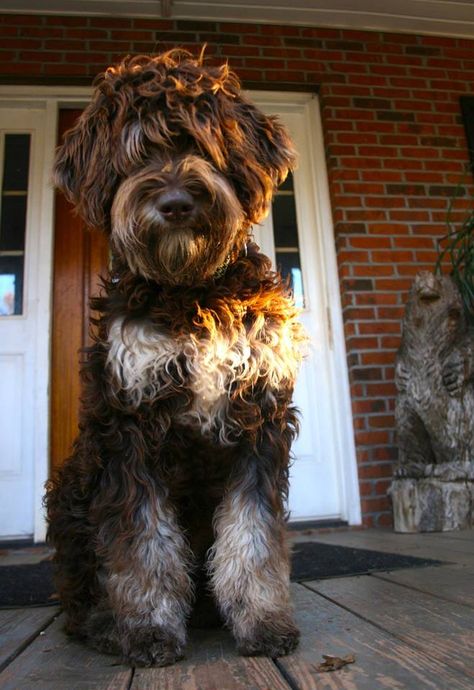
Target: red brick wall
[396, 151]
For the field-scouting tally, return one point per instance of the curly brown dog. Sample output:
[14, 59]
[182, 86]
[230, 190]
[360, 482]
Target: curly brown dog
[176, 487]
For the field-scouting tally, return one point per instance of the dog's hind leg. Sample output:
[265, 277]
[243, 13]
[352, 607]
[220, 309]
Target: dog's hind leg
[249, 563]
[68, 497]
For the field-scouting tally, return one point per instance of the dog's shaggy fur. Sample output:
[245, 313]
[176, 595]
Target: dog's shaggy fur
[176, 487]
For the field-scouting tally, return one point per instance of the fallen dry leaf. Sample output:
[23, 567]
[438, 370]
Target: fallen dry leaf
[333, 663]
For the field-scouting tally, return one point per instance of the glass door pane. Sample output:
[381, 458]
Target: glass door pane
[13, 205]
[285, 232]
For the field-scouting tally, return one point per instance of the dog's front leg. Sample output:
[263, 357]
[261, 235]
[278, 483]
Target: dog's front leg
[146, 577]
[249, 563]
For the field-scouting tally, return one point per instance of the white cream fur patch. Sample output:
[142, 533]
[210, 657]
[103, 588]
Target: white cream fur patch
[145, 363]
[249, 571]
[158, 564]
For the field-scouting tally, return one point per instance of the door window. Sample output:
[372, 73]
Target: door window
[285, 234]
[13, 206]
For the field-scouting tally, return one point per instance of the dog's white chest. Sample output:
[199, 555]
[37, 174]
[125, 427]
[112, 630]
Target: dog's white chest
[147, 365]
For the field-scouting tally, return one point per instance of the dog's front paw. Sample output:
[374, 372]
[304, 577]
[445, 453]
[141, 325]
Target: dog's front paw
[267, 639]
[152, 647]
[101, 632]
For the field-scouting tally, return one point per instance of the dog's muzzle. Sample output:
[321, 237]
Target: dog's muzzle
[176, 222]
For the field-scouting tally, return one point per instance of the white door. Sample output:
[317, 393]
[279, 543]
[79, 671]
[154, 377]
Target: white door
[20, 162]
[298, 238]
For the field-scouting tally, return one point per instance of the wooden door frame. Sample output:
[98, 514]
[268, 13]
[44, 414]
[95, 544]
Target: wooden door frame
[81, 257]
[52, 98]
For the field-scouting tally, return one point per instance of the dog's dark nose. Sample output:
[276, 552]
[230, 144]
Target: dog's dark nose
[176, 205]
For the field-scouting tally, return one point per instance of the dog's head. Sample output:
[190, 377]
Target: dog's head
[174, 163]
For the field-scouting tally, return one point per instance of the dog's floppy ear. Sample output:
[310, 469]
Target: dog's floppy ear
[270, 141]
[261, 159]
[83, 169]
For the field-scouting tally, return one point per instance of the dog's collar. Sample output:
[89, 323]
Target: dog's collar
[222, 268]
[220, 272]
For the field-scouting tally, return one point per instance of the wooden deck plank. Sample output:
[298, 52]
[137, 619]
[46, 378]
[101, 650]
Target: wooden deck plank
[463, 535]
[454, 583]
[421, 545]
[212, 663]
[19, 626]
[438, 628]
[453, 538]
[382, 661]
[409, 630]
[55, 662]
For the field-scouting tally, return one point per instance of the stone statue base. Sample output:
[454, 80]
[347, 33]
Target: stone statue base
[439, 498]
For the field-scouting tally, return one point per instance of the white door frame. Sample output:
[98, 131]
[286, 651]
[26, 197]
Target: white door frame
[51, 99]
[322, 247]
[38, 278]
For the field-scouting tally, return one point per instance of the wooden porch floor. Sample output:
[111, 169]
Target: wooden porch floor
[410, 629]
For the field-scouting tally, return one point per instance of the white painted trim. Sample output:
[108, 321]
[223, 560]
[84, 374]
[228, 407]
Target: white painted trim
[341, 400]
[338, 374]
[44, 316]
[51, 98]
[73, 96]
[38, 270]
[35, 312]
[439, 17]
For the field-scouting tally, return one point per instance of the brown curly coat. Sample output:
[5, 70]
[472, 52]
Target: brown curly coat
[176, 486]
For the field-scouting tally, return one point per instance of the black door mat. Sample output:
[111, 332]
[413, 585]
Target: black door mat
[313, 560]
[27, 585]
[32, 585]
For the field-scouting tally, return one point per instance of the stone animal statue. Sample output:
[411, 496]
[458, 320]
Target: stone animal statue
[433, 484]
[435, 377]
